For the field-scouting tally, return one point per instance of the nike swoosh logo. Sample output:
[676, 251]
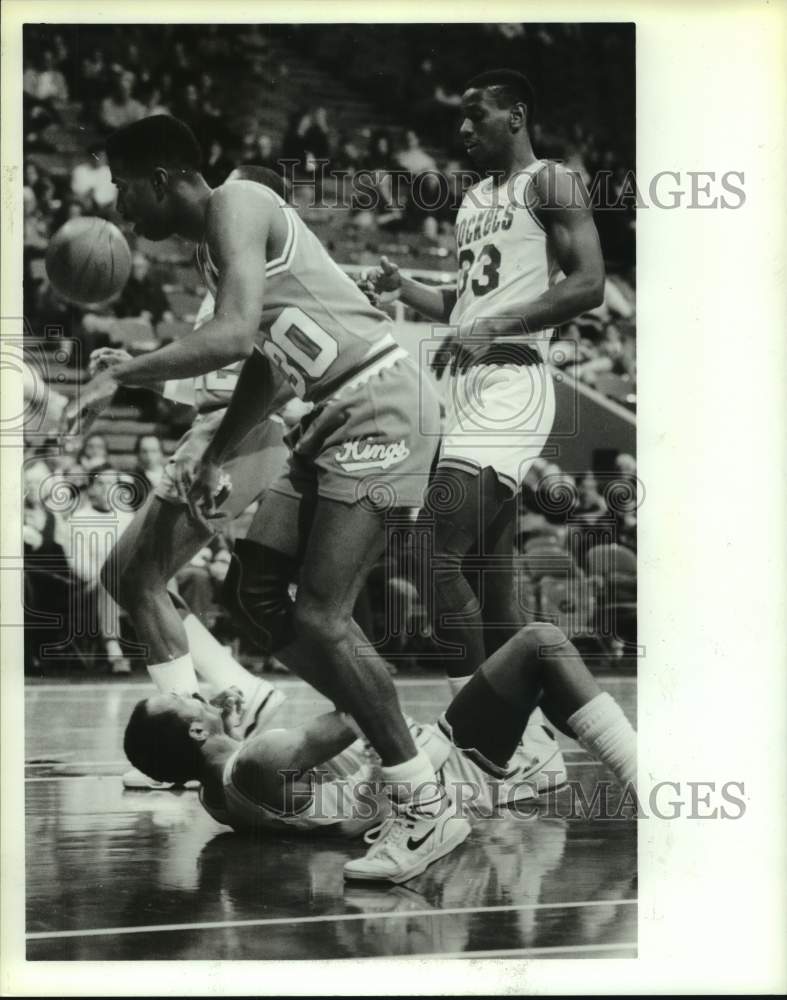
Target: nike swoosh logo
[413, 844]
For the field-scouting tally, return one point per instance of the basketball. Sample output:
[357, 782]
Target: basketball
[88, 261]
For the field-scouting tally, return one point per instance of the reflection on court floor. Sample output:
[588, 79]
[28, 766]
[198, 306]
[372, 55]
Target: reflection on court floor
[114, 874]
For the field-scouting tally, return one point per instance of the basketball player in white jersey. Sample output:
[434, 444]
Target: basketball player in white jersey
[367, 444]
[319, 776]
[517, 231]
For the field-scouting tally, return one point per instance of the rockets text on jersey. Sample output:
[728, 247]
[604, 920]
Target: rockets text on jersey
[503, 253]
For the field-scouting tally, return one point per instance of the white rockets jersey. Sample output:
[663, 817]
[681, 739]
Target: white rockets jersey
[206, 392]
[503, 255]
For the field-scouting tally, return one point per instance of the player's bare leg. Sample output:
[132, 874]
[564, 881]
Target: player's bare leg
[474, 515]
[540, 665]
[344, 543]
[161, 538]
[318, 639]
[457, 506]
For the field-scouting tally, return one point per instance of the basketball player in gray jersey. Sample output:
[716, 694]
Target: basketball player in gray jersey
[367, 444]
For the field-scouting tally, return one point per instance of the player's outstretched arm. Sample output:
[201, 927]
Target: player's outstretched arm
[434, 303]
[236, 232]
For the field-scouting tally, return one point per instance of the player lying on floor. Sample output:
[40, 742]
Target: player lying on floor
[319, 774]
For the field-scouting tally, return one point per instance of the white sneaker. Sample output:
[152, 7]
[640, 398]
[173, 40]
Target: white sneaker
[137, 781]
[539, 767]
[260, 709]
[404, 845]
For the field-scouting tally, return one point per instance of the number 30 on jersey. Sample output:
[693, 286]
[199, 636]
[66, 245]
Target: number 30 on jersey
[300, 348]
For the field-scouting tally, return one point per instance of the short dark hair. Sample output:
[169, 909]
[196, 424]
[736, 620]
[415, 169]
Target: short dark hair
[265, 176]
[156, 141]
[160, 745]
[508, 87]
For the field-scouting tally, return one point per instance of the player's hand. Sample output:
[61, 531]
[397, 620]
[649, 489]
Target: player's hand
[385, 278]
[231, 704]
[208, 490]
[106, 357]
[89, 402]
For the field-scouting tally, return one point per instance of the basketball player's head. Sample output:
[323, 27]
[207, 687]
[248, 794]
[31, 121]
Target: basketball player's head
[497, 110]
[165, 734]
[156, 165]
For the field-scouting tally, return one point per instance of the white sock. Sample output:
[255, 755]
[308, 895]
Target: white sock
[215, 663]
[414, 781]
[457, 683]
[114, 651]
[175, 675]
[604, 731]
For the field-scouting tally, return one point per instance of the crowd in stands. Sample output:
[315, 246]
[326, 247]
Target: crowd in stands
[81, 83]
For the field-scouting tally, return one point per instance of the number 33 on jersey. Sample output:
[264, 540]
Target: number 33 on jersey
[316, 325]
[503, 256]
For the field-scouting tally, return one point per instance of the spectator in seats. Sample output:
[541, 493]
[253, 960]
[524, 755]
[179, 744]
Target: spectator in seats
[424, 197]
[92, 531]
[190, 110]
[37, 114]
[50, 84]
[591, 505]
[293, 146]
[144, 297]
[261, 152]
[182, 68]
[348, 156]
[150, 460]
[413, 158]
[36, 230]
[95, 73]
[91, 180]
[317, 138]
[434, 105]
[153, 99]
[380, 155]
[218, 165]
[49, 201]
[47, 574]
[94, 453]
[31, 174]
[121, 107]
[610, 357]
[211, 104]
[135, 63]
[60, 49]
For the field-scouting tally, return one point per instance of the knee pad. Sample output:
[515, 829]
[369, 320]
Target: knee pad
[450, 583]
[256, 593]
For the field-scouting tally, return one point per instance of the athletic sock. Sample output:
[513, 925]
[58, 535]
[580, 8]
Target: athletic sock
[175, 675]
[415, 782]
[215, 663]
[604, 731]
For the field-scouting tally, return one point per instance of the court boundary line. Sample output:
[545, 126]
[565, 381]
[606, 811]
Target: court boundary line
[125, 765]
[570, 949]
[321, 918]
[279, 681]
